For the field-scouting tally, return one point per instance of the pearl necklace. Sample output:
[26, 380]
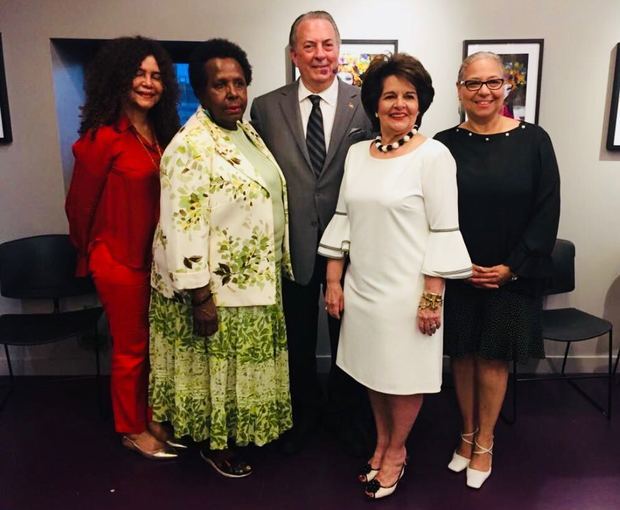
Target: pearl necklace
[396, 145]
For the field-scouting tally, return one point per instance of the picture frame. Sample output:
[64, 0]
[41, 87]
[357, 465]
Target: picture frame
[356, 55]
[613, 131]
[5, 118]
[523, 59]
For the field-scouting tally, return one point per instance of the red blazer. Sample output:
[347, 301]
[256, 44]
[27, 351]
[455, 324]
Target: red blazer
[114, 195]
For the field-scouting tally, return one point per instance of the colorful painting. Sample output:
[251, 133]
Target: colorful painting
[515, 66]
[356, 56]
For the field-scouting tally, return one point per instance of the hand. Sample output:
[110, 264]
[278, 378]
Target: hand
[205, 318]
[429, 320]
[334, 300]
[490, 277]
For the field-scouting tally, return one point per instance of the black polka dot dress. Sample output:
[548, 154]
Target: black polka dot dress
[509, 203]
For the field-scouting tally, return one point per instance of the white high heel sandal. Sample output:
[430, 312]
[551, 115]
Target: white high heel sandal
[374, 490]
[458, 462]
[475, 477]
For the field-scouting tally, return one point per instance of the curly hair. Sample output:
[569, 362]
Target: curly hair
[215, 48]
[404, 66]
[109, 79]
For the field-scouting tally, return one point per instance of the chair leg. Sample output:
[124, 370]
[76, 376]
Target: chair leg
[572, 380]
[514, 391]
[617, 359]
[610, 376]
[568, 344]
[9, 390]
[8, 362]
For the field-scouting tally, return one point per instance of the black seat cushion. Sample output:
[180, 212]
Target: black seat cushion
[572, 325]
[32, 329]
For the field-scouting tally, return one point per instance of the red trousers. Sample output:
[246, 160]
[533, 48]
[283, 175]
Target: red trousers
[124, 293]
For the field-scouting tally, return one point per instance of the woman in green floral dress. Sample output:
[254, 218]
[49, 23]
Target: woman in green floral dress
[219, 361]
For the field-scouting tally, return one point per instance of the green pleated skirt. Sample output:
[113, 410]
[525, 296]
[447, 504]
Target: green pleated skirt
[234, 385]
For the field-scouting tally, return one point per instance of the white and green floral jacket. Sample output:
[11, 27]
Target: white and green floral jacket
[216, 223]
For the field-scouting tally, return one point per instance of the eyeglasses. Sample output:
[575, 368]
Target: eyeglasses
[473, 85]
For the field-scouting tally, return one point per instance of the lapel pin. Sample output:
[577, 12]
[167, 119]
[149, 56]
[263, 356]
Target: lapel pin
[351, 106]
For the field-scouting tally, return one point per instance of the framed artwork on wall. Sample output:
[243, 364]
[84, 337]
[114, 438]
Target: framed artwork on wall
[613, 132]
[356, 55]
[523, 72]
[5, 119]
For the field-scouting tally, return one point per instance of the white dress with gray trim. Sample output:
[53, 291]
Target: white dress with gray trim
[398, 220]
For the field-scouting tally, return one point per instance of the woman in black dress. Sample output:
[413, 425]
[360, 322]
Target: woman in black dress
[509, 207]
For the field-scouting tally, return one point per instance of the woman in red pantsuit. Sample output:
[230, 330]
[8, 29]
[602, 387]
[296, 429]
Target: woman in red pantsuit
[113, 206]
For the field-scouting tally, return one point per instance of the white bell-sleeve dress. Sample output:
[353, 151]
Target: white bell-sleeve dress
[398, 220]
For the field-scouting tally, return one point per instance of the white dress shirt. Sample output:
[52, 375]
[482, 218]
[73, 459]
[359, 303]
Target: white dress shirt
[329, 100]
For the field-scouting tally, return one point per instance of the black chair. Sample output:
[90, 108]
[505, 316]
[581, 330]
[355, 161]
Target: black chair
[43, 267]
[569, 325]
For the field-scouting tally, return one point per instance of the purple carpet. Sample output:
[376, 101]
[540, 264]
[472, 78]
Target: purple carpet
[56, 452]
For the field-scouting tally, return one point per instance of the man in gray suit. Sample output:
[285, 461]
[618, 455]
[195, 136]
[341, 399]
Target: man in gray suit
[309, 126]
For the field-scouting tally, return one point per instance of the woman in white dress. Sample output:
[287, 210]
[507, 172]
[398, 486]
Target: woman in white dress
[397, 222]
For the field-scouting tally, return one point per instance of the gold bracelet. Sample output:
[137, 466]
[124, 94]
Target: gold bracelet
[430, 300]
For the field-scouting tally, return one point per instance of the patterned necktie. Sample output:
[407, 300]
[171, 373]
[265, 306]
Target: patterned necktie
[315, 136]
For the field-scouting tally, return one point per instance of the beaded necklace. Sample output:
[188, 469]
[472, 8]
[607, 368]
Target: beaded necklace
[395, 145]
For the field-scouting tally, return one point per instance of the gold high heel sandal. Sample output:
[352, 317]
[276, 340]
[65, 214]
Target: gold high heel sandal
[165, 453]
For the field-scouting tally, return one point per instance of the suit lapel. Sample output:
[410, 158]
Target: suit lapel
[289, 104]
[345, 110]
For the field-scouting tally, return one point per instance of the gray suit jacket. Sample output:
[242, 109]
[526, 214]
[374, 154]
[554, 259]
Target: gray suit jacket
[312, 200]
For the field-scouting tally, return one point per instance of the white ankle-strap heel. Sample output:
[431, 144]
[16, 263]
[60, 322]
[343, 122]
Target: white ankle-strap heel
[458, 462]
[475, 477]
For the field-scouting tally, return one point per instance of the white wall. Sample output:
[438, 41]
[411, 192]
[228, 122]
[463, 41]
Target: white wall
[576, 81]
